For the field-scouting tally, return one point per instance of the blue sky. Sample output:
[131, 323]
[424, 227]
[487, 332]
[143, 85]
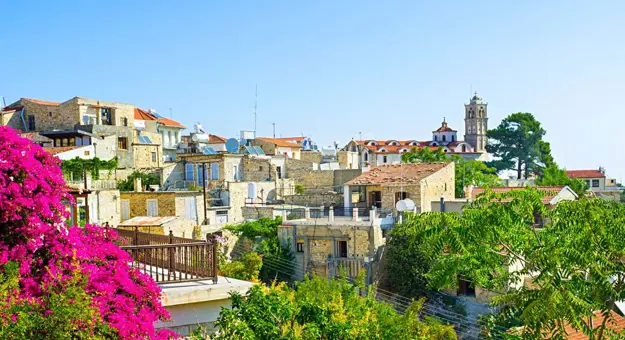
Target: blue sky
[332, 69]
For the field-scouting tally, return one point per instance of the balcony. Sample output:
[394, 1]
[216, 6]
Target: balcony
[335, 215]
[170, 259]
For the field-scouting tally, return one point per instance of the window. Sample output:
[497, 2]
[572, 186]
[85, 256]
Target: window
[595, 183]
[465, 288]
[106, 116]
[384, 159]
[125, 210]
[65, 141]
[190, 208]
[444, 138]
[361, 192]
[260, 168]
[124, 121]
[235, 172]
[300, 247]
[279, 172]
[202, 174]
[188, 172]
[221, 216]
[50, 114]
[152, 207]
[453, 138]
[464, 148]
[402, 195]
[588, 183]
[214, 171]
[154, 157]
[366, 156]
[169, 140]
[31, 122]
[122, 143]
[435, 137]
[341, 248]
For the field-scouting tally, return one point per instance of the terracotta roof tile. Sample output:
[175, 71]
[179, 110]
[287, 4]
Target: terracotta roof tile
[549, 192]
[398, 174]
[59, 149]
[141, 114]
[279, 142]
[170, 122]
[214, 139]
[292, 139]
[42, 102]
[585, 174]
[615, 323]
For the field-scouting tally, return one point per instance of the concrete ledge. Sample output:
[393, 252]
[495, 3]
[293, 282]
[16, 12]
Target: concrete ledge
[185, 293]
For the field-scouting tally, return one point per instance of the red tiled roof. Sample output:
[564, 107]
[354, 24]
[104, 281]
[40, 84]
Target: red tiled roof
[170, 122]
[279, 142]
[398, 174]
[293, 139]
[144, 115]
[444, 128]
[615, 323]
[550, 192]
[59, 149]
[42, 102]
[214, 139]
[585, 174]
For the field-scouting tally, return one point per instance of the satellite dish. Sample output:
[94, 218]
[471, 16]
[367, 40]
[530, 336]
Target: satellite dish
[405, 205]
[232, 145]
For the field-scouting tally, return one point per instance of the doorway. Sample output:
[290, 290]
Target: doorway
[375, 199]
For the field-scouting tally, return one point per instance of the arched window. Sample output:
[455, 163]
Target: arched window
[453, 138]
[464, 148]
[444, 138]
[366, 156]
[435, 137]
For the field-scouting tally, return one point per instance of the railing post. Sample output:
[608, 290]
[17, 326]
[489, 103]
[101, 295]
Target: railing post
[172, 260]
[331, 214]
[211, 240]
[171, 237]
[355, 213]
[307, 213]
[135, 237]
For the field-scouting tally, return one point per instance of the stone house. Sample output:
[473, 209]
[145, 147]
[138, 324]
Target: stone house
[170, 131]
[383, 186]
[94, 206]
[598, 183]
[69, 144]
[322, 243]
[96, 117]
[279, 146]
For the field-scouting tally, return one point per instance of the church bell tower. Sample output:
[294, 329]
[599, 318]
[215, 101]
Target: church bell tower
[476, 123]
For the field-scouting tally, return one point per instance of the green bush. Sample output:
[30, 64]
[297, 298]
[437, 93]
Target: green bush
[147, 179]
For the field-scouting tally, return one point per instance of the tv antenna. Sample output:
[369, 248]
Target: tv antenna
[274, 129]
[255, 106]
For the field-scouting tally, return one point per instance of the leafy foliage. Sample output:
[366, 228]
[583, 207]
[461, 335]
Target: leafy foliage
[552, 175]
[468, 172]
[49, 254]
[264, 233]
[247, 267]
[147, 179]
[549, 276]
[299, 189]
[322, 309]
[517, 143]
[77, 166]
[407, 263]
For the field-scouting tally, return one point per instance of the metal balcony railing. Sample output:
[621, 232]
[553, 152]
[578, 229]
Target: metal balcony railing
[169, 258]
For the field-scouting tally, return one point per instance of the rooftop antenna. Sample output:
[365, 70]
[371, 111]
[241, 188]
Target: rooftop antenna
[274, 129]
[255, 106]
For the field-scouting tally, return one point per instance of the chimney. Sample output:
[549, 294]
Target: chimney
[138, 187]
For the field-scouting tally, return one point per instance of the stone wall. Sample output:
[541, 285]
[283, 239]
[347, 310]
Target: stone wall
[258, 170]
[268, 148]
[389, 194]
[172, 174]
[298, 165]
[256, 212]
[228, 165]
[343, 176]
[315, 199]
[311, 156]
[138, 202]
[439, 184]
[320, 180]
[146, 156]
[49, 117]
[124, 156]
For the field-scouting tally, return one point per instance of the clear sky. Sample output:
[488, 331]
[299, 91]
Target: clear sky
[330, 69]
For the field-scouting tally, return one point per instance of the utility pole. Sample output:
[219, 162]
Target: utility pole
[255, 106]
[274, 129]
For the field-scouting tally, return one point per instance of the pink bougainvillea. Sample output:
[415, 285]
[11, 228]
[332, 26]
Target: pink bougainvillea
[33, 233]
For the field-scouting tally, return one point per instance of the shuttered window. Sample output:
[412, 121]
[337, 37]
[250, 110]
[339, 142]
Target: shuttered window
[152, 207]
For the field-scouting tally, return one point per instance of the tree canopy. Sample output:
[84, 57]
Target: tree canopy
[553, 175]
[517, 144]
[552, 266]
[468, 172]
[319, 308]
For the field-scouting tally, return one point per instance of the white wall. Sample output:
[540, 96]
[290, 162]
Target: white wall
[217, 146]
[391, 158]
[104, 206]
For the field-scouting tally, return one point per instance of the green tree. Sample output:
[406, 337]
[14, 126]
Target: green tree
[574, 263]
[147, 179]
[319, 308]
[299, 189]
[517, 143]
[247, 267]
[263, 233]
[554, 176]
[468, 172]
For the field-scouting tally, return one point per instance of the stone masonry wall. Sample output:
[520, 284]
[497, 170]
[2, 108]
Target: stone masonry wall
[138, 202]
[320, 180]
[311, 156]
[48, 117]
[315, 199]
[441, 183]
[258, 170]
[389, 192]
[268, 148]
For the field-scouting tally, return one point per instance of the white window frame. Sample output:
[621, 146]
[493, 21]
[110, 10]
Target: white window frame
[147, 207]
[127, 202]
